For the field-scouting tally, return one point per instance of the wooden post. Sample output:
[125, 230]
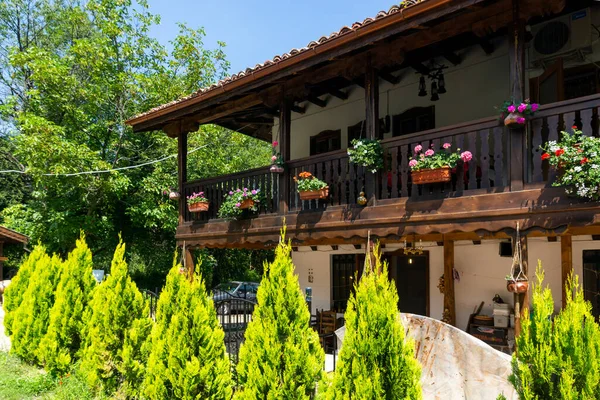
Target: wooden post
[522, 299]
[182, 149]
[566, 262]
[516, 55]
[189, 263]
[285, 125]
[372, 123]
[449, 300]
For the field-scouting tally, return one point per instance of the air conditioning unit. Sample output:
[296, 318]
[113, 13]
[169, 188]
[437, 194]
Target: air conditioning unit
[567, 36]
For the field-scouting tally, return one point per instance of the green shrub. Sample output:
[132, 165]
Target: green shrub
[560, 358]
[376, 360]
[117, 317]
[33, 315]
[187, 357]
[13, 296]
[61, 344]
[281, 357]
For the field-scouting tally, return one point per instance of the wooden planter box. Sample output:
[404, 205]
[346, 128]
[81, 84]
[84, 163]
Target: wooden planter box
[314, 194]
[424, 176]
[199, 207]
[248, 203]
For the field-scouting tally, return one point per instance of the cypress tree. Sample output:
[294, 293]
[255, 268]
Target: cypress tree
[33, 315]
[281, 357]
[376, 361]
[557, 358]
[116, 316]
[187, 357]
[60, 346]
[13, 295]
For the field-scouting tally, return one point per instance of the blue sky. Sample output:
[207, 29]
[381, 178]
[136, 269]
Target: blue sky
[255, 31]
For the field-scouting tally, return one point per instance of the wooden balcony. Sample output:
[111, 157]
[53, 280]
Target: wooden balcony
[505, 181]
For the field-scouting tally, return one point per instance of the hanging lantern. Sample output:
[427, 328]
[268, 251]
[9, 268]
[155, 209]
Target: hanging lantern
[422, 87]
[441, 84]
[434, 91]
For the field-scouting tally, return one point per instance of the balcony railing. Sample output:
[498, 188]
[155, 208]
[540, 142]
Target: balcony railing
[487, 172]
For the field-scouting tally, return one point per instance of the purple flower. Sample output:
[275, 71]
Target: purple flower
[412, 163]
[418, 148]
[522, 107]
[254, 191]
[446, 145]
[238, 204]
[239, 190]
[520, 120]
[534, 107]
[429, 152]
[230, 193]
[466, 156]
[511, 108]
[245, 189]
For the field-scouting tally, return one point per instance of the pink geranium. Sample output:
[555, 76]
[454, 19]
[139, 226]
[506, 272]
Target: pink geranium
[520, 120]
[446, 145]
[534, 107]
[418, 148]
[275, 144]
[238, 205]
[466, 156]
[429, 153]
[274, 158]
[522, 107]
[511, 108]
[412, 163]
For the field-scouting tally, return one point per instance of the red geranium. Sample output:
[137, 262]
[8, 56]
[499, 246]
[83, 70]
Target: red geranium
[545, 156]
[584, 160]
[559, 152]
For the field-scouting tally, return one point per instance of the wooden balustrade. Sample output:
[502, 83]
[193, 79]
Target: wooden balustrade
[487, 172]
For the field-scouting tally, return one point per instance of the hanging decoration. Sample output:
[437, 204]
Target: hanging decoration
[435, 72]
[517, 281]
[412, 249]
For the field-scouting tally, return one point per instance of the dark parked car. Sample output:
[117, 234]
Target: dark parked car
[232, 296]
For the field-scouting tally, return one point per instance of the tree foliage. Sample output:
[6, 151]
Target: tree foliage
[557, 358]
[60, 346]
[187, 354]
[117, 321]
[281, 357]
[376, 361]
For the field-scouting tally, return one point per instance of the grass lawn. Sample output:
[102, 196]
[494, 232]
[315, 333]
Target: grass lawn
[20, 381]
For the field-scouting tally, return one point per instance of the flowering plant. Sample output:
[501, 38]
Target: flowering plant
[367, 153]
[197, 198]
[577, 156]
[307, 182]
[430, 159]
[276, 158]
[231, 207]
[523, 108]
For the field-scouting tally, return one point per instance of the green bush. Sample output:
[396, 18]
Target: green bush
[33, 315]
[61, 344]
[117, 318]
[376, 360]
[187, 356]
[281, 357]
[13, 296]
[560, 358]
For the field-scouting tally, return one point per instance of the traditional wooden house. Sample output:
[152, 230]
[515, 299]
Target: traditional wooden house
[423, 73]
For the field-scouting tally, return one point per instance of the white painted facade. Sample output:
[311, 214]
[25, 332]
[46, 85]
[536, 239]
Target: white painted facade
[481, 269]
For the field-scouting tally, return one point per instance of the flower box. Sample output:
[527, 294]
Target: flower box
[514, 286]
[424, 176]
[314, 194]
[198, 207]
[246, 204]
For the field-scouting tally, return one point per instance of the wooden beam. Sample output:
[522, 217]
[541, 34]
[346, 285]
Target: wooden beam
[552, 238]
[285, 125]
[189, 263]
[213, 114]
[317, 101]
[334, 247]
[294, 248]
[371, 124]
[338, 93]
[313, 248]
[476, 242]
[420, 68]
[357, 246]
[522, 299]
[298, 109]
[516, 55]
[566, 264]
[449, 299]
[394, 80]
[486, 46]
[452, 57]
[360, 81]
[182, 149]
[595, 237]
[440, 243]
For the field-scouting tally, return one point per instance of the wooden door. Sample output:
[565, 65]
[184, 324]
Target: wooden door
[548, 87]
[411, 274]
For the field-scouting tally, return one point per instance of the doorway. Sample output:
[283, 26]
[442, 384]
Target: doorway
[411, 275]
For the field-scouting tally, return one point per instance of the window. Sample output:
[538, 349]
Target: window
[416, 119]
[591, 279]
[325, 142]
[359, 130]
[343, 271]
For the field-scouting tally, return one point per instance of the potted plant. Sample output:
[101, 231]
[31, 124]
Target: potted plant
[367, 153]
[311, 188]
[277, 164]
[517, 284]
[515, 113]
[238, 200]
[577, 158]
[430, 166]
[197, 202]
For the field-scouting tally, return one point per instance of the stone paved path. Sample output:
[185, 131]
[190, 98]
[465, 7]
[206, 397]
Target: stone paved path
[4, 340]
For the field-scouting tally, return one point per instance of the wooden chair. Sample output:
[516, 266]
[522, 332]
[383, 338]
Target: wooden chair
[327, 327]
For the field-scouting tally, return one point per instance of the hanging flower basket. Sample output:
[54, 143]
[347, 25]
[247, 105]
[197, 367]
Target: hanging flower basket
[517, 286]
[199, 207]
[517, 112]
[277, 169]
[314, 194]
[246, 204]
[421, 177]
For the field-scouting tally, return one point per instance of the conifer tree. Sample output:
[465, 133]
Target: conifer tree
[281, 357]
[187, 358]
[61, 344]
[376, 361]
[33, 315]
[13, 295]
[117, 314]
[557, 358]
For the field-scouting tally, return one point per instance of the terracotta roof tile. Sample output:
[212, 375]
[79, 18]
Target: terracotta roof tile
[293, 52]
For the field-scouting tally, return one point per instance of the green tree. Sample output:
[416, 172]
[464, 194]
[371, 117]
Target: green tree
[557, 358]
[60, 346]
[33, 315]
[13, 296]
[187, 357]
[115, 318]
[376, 361]
[281, 357]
